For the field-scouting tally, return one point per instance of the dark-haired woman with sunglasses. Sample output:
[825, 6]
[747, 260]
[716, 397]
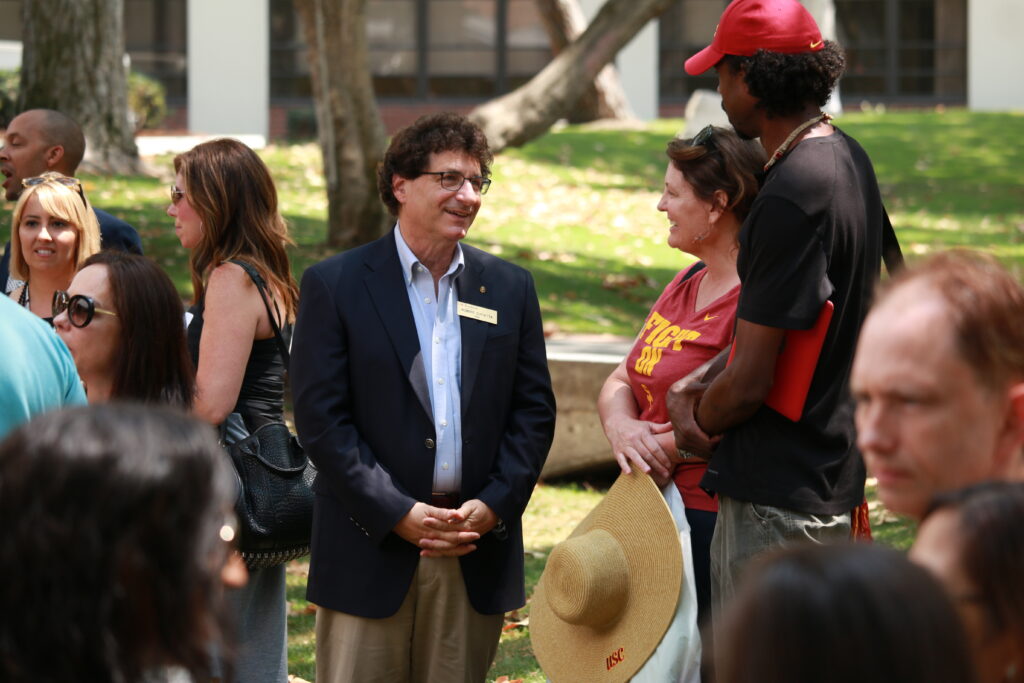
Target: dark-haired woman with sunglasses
[123, 321]
[710, 184]
[54, 229]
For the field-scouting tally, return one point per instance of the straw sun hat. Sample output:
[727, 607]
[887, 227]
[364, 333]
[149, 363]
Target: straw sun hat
[609, 591]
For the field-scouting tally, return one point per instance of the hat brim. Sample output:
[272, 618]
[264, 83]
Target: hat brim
[702, 61]
[636, 514]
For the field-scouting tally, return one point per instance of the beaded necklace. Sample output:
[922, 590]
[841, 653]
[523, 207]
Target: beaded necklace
[784, 147]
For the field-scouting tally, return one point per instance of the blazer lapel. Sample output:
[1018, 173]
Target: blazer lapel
[474, 332]
[386, 287]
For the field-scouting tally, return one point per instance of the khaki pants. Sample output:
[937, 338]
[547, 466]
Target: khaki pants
[744, 530]
[436, 635]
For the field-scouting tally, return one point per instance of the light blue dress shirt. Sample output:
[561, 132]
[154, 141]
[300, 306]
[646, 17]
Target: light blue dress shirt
[440, 335]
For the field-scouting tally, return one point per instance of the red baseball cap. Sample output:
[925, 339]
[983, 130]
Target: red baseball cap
[747, 26]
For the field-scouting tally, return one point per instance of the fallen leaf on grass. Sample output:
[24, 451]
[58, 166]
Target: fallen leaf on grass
[294, 611]
[522, 623]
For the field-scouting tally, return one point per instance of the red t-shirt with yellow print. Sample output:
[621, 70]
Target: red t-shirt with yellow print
[676, 339]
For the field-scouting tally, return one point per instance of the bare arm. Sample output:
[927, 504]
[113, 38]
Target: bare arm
[736, 394]
[633, 440]
[233, 311]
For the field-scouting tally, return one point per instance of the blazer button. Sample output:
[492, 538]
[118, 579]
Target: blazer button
[429, 443]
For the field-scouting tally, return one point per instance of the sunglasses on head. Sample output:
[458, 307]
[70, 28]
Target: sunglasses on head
[80, 308]
[51, 177]
[705, 138]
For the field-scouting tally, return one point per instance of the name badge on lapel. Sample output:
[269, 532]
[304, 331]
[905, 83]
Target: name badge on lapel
[487, 315]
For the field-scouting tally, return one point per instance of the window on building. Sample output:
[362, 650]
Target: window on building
[904, 49]
[155, 39]
[684, 29]
[419, 49]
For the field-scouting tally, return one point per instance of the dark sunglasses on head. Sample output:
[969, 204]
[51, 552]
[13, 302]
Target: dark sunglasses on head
[80, 308]
[705, 138]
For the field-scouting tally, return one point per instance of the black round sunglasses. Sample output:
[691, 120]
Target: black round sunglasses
[80, 308]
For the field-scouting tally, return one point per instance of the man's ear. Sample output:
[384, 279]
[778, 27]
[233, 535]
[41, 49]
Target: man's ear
[54, 156]
[1011, 446]
[398, 188]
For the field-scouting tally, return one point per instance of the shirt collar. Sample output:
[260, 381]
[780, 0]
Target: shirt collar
[409, 261]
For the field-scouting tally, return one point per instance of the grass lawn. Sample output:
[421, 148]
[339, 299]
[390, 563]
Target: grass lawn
[577, 207]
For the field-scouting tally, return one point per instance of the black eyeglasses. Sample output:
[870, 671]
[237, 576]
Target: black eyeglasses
[705, 138]
[453, 180]
[176, 195]
[53, 177]
[80, 308]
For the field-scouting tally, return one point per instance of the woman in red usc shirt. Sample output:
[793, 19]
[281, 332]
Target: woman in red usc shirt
[710, 184]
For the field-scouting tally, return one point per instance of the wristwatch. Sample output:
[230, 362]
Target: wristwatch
[687, 455]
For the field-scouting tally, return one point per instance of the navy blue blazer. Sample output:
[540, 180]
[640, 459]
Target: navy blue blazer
[362, 410]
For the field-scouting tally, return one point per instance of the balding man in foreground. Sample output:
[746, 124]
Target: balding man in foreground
[938, 379]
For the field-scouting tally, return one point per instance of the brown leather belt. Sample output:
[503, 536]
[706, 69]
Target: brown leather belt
[445, 500]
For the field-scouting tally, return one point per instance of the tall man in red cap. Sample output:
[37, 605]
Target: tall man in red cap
[814, 235]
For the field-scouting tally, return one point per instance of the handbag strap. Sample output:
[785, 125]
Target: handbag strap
[273, 315]
[891, 252]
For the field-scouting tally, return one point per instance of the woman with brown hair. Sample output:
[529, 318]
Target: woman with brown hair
[121, 318]
[53, 230]
[710, 184]
[972, 540]
[224, 206]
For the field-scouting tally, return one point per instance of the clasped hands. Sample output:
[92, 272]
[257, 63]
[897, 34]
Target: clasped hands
[441, 532]
[653, 447]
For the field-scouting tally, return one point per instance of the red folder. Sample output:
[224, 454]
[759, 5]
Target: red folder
[795, 367]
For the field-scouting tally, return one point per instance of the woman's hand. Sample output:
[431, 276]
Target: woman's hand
[636, 443]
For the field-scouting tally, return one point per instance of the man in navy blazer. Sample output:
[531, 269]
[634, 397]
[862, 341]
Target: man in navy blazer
[422, 395]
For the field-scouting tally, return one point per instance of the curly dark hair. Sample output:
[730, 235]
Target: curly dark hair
[784, 83]
[412, 146]
[112, 552]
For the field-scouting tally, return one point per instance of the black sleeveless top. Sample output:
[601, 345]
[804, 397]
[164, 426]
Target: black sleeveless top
[261, 398]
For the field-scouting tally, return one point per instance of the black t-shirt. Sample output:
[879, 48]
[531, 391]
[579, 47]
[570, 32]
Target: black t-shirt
[814, 233]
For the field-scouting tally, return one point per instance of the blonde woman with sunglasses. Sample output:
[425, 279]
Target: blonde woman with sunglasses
[53, 230]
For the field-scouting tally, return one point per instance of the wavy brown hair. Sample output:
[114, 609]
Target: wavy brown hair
[724, 162]
[231, 190]
[152, 364]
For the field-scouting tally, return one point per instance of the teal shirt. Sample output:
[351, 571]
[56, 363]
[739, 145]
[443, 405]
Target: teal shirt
[37, 372]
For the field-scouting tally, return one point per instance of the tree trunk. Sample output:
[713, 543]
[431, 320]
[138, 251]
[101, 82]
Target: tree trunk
[349, 126]
[605, 99]
[73, 61]
[528, 111]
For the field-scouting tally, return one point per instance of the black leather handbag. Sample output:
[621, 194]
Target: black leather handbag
[275, 499]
